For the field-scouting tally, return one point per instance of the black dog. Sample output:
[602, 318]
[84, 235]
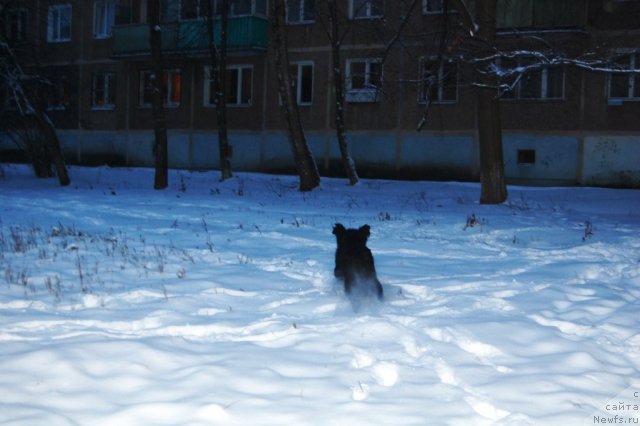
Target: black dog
[354, 262]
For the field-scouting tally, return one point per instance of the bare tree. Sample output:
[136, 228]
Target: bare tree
[306, 164]
[28, 125]
[330, 18]
[479, 38]
[493, 187]
[161, 179]
[218, 55]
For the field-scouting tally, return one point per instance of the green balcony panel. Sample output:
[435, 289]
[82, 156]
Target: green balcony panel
[244, 33]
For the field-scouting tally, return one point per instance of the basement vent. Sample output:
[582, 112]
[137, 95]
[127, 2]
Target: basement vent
[526, 157]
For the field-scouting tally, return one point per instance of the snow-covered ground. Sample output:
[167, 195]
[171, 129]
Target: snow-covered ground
[215, 303]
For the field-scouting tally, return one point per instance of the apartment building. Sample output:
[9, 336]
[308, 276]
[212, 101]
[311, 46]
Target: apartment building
[562, 124]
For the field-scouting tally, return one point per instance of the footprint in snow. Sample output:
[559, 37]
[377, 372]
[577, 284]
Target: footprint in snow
[362, 359]
[360, 392]
[384, 373]
[481, 351]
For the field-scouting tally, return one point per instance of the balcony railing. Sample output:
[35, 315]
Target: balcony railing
[244, 33]
[540, 13]
[537, 14]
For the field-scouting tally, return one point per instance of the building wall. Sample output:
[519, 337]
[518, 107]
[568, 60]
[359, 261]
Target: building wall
[582, 137]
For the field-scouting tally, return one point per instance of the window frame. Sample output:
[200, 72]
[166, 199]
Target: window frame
[441, 79]
[58, 96]
[108, 89]
[168, 92]
[633, 80]
[54, 35]
[198, 11]
[237, 68]
[426, 11]
[20, 16]
[516, 93]
[108, 18]
[369, 10]
[253, 12]
[301, 18]
[297, 84]
[364, 94]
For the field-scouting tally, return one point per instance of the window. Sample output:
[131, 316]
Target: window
[169, 10]
[365, 9]
[300, 11]
[104, 17]
[59, 23]
[14, 25]
[535, 84]
[432, 6]
[364, 80]
[209, 88]
[526, 157]
[192, 9]
[103, 91]
[438, 81]
[302, 81]
[243, 7]
[238, 80]
[58, 94]
[171, 88]
[625, 85]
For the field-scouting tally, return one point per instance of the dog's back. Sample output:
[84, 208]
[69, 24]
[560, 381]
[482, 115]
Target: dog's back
[354, 261]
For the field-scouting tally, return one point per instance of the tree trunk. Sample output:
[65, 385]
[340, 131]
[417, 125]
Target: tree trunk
[493, 189]
[218, 76]
[52, 145]
[347, 161]
[157, 97]
[305, 163]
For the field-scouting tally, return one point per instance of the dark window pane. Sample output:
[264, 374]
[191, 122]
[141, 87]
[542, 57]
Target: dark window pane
[293, 10]
[619, 85]
[306, 84]
[358, 70]
[189, 9]
[619, 82]
[433, 6]
[531, 85]
[374, 78]
[377, 8]
[111, 89]
[449, 81]
[261, 7]
[176, 88]
[246, 86]
[232, 86]
[309, 11]
[555, 83]
[359, 8]
[241, 7]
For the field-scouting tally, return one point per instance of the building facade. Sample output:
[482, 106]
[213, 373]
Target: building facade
[571, 122]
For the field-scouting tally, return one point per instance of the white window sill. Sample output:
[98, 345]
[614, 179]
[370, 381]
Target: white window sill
[362, 96]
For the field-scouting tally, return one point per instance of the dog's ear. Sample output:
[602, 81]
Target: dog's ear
[364, 231]
[338, 229]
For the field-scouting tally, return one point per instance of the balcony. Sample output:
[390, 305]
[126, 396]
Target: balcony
[540, 13]
[537, 14]
[244, 33]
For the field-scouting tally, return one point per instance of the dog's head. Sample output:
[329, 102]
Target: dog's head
[351, 237]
